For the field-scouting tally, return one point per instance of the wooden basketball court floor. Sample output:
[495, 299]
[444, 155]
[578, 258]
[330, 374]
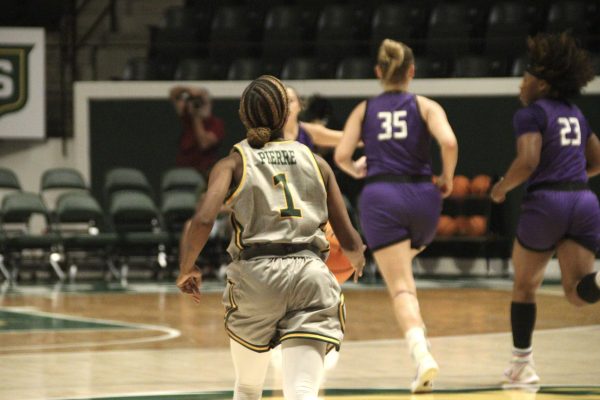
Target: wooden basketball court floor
[147, 341]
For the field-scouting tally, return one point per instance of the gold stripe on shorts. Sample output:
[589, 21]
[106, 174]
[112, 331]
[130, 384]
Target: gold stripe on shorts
[342, 312]
[247, 345]
[307, 335]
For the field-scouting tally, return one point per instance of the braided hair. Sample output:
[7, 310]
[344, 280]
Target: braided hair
[264, 110]
[557, 59]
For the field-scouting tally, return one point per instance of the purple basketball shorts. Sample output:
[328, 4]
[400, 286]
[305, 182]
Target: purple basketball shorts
[550, 216]
[391, 212]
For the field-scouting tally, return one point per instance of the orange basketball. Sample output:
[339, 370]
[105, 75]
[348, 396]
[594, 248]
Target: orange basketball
[480, 185]
[462, 225]
[446, 226]
[461, 186]
[337, 262]
[477, 225]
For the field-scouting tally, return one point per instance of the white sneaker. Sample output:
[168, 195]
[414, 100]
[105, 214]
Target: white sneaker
[427, 370]
[520, 373]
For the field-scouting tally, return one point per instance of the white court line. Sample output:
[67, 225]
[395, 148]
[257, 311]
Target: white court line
[141, 394]
[537, 331]
[169, 333]
[377, 389]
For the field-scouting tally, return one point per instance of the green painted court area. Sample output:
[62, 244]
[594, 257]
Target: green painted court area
[15, 320]
[544, 393]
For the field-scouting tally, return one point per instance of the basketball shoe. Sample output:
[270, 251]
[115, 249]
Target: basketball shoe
[521, 372]
[427, 370]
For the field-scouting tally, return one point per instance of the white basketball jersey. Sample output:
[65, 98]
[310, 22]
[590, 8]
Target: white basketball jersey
[281, 198]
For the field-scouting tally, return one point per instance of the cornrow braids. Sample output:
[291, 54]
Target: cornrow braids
[263, 109]
[557, 59]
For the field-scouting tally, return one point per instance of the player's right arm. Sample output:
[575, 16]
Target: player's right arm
[349, 142]
[529, 149]
[349, 239]
[196, 234]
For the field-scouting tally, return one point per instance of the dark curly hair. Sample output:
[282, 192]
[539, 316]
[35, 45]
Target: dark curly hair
[557, 59]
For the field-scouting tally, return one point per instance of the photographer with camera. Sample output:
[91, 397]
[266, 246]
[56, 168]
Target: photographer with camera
[202, 131]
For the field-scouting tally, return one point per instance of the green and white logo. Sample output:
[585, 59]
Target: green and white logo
[14, 71]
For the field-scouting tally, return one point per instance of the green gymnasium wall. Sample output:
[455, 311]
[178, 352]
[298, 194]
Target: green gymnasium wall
[144, 134]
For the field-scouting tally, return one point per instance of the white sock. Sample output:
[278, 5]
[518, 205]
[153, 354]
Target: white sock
[417, 343]
[523, 354]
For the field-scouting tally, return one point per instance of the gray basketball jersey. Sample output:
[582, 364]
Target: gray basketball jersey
[281, 198]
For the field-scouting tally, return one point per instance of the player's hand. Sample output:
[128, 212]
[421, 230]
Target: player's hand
[189, 283]
[360, 168]
[357, 260]
[497, 194]
[444, 185]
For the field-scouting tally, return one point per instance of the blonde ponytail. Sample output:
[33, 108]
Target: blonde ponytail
[394, 59]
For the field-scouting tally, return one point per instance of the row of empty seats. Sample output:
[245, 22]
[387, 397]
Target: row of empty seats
[336, 31]
[314, 68]
[64, 225]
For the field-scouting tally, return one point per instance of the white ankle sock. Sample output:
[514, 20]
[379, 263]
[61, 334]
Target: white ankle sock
[417, 343]
[523, 353]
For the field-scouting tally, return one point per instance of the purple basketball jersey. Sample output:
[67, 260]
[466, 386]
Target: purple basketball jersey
[396, 139]
[304, 138]
[565, 133]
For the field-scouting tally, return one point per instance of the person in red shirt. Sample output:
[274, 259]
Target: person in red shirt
[202, 131]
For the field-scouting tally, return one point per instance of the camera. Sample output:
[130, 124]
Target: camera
[196, 101]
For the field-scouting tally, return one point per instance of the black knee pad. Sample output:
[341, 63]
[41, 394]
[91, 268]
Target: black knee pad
[587, 289]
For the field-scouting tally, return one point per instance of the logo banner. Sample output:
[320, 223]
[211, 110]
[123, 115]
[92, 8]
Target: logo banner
[22, 83]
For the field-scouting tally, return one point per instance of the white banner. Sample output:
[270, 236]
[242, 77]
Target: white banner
[22, 83]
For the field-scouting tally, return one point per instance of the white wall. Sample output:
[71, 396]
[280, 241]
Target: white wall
[29, 159]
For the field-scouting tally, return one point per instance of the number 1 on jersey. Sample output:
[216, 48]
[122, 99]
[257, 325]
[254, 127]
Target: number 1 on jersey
[290, 211]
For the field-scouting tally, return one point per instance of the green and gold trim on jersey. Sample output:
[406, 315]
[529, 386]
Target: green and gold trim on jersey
[238, 231]
[238, 148]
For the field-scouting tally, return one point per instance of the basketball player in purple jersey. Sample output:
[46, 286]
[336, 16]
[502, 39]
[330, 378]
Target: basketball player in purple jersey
[399, 205]
[556, 154]
[309, 134]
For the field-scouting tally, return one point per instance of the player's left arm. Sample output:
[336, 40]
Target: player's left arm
[349, 142]
[349, 238]
[592, 156]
